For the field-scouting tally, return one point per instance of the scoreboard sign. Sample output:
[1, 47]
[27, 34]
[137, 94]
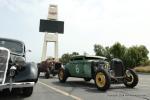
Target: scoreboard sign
[51, 26]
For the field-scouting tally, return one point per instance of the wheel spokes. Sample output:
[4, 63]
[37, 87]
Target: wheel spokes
[61, 74]
[100, 79]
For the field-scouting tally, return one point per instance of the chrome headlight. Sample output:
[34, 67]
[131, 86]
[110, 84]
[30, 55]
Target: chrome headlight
[19, 61]
[12, 71]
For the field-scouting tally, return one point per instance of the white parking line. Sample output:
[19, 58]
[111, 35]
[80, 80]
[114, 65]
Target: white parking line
[60, 91]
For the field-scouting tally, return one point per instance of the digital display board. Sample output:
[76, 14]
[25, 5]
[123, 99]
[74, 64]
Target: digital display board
[51, 26]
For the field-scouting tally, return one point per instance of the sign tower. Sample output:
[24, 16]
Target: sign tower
[53, 37]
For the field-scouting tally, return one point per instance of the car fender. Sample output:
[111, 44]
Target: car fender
[29, 72]
[66, 70]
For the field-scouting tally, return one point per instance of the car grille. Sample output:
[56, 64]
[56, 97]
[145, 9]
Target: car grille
[119, 69]
[3, 64]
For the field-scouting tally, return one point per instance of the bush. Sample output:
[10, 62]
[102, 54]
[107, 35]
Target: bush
[145, 69]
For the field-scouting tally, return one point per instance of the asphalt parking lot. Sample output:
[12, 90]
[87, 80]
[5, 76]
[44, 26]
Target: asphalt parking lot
[77, 89]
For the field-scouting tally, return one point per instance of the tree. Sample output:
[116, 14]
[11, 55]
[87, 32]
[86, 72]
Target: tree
[132, 56]
[99, 50]
[65, 58]
[118, 50]
[137, 55]
[74, 53]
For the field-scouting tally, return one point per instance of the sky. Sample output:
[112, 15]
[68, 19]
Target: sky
[86, 22]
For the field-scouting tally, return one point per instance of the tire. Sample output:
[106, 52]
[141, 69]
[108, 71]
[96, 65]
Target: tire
[1, 93]
[53, 72]
[38, 72]
[5, 92]
[102, 80]
[62, 75]
[130, 80]
[87, 79]
[27, 91]
[47, 74]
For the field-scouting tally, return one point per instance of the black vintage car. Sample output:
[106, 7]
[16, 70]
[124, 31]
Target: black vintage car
[16, 74]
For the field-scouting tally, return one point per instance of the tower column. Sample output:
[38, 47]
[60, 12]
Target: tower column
[56, 48]
[44, 51]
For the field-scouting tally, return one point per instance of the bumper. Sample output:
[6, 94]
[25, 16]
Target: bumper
[17, 85]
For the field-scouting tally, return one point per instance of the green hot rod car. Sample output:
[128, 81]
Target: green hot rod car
[103, 72]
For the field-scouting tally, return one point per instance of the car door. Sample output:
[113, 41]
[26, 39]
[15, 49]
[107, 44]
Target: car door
[87, 69]
[79, 68]
[76, 68]
[71, 67]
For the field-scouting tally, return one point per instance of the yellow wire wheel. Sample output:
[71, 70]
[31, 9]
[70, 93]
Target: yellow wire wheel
[61, 74]
[100, 79]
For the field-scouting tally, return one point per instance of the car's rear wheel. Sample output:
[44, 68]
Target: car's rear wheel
[27, 91]
[102, 80]
[47, 75]
[131, 78]
[62, 75]
[87, 79]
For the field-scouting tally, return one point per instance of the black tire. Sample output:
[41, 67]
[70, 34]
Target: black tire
[87, 79]
[102, 80]
[38, 72]
[47, 74]
[5, 92]
[53, 72]
[131, 80]
[36, 80]
[27, 91]
[1, 93]
[62, 75]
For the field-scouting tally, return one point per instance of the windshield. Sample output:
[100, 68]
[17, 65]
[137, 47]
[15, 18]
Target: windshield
[13, 46]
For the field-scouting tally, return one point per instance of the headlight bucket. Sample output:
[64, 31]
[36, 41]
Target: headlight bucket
[19, 61]
[12, 71]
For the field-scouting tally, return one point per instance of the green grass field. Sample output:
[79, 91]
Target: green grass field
[144, 69]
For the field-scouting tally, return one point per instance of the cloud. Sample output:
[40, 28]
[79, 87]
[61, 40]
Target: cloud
[86, 22]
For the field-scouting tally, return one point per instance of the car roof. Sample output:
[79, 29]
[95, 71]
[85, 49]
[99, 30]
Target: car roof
[12, 40]
[88, 56]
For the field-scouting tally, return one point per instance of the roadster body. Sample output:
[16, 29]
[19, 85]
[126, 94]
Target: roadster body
[15, 73]
[98, 68]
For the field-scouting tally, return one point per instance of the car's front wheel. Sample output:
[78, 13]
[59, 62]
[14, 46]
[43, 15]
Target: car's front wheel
[131, 78]
[27, 91]
[102, 80]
